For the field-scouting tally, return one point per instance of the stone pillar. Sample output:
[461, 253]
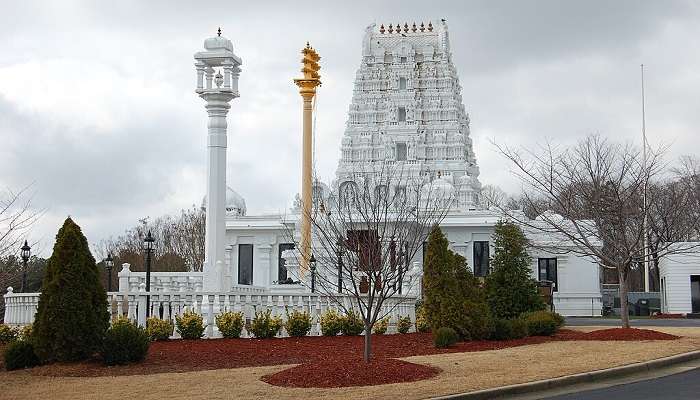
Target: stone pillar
[218, 57]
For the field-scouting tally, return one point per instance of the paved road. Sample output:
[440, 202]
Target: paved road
[633, 322]
[683, 386]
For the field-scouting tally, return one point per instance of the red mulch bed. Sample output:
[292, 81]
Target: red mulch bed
[355, 372]
[197, 355]
[668, 316]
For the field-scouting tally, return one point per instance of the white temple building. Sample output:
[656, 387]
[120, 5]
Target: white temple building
[407, 112]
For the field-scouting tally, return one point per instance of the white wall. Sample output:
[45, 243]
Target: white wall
[675, 271]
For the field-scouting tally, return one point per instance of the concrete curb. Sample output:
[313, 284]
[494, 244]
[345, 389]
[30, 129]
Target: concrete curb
[585, 377]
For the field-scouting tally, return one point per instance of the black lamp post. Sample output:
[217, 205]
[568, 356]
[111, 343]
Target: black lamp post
[312, 262]
[109, 263]
[26, 251]
[148, 246]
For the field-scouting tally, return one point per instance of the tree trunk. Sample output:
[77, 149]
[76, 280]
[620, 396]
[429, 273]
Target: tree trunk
[624, 305]
[368, 342]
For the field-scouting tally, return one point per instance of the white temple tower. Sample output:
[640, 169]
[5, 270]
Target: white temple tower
[407, 110]
[217, 83]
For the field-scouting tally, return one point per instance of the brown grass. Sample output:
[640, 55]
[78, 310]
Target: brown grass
[461, 372]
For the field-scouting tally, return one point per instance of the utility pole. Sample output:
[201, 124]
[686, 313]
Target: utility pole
[644, 195]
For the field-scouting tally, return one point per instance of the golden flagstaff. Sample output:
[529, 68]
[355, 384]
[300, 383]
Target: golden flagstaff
[307, 88]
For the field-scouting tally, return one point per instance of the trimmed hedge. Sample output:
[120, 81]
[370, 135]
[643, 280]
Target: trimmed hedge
[403, 325]
[503, 329]
[381, 326]
[542, 323]
[158, 329]
[520, 329]
[445, 337]
[20, 354]
[8, 334]
[125, 342]
[230, 324]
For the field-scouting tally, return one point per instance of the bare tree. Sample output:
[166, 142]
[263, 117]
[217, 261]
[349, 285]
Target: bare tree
[179, 242]
[590, 200]
[365, 238]
[16, 218]
[493, 196]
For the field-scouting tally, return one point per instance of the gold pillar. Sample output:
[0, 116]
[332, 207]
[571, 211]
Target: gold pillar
[307, 88]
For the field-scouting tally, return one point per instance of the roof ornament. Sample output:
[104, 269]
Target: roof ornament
[391, 28]
[219, 32]
[413, 29]
[405, 27]
[430, 26]
[422, 27]
[381, 29]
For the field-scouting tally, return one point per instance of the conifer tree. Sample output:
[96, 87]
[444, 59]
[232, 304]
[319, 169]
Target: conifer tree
[72, 316]
[510, 288]
[452, 297]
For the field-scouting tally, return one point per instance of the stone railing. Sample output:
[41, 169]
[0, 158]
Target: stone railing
[21, 307]
[130, 281]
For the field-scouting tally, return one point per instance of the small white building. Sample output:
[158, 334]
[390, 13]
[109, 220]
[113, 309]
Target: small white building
[680, 280]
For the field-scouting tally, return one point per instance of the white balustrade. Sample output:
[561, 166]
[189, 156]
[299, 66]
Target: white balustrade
[20, 308]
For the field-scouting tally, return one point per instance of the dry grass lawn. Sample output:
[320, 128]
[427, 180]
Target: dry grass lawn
[461, 372]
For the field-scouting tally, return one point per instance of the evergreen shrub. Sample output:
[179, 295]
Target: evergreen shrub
[8, 334]
[541, 323]
[352, 324]
[520, 329]
[125, 342]
[190, 325]
[264, 325]
[159, 329]
[72, 317]
[445, 337]
[331, 323]
[403, 325]
[381, 326]
[26, 332]
[422, 324]
[230, 324]
[503, 329]
[20, 354]
[510, 288]
[298, 323]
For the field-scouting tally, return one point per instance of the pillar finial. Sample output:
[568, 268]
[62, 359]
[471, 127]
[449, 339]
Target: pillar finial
[218, 32]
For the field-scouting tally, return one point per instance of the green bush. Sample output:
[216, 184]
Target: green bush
[445, 337]
[510, 288]
[422, 324]
[503, 329]
[298, 323]
[453, 296]
[352, 324]
[264, 325]
[158, 329]
[403, 325]
[559, 319]
[381, 326]
[72, 316]
[190, 325]
[20, 354]
[541, 323]
[520, 329]
[331, 323]
[125, 342]
[26, 332]
[230, 324]
[8, 334]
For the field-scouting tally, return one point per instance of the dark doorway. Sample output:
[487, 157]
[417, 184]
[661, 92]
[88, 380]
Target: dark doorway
[281, 267]
[695, 292]
[245, 264]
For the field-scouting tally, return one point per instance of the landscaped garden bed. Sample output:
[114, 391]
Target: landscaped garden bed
[342, 352]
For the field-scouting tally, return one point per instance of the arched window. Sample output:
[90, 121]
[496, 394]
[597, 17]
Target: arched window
[402, 114]
[348, 193]
[402, 83]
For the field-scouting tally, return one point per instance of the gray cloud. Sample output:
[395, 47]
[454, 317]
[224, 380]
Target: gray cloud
[97, 104]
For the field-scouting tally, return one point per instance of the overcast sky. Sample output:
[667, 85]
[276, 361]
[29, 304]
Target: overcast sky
[98, 110]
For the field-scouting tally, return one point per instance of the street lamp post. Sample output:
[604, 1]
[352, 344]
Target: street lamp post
[148, 246]
[25, 253]
[312, 262]
[109, 263]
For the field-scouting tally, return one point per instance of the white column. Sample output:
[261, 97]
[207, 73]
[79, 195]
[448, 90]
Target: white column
[217, 107]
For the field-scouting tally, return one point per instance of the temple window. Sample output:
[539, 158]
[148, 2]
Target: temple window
[401, 152]
[402, 114]
[402, 83]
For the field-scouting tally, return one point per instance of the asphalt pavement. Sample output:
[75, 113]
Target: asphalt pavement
[682, 322]
[681, 386]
